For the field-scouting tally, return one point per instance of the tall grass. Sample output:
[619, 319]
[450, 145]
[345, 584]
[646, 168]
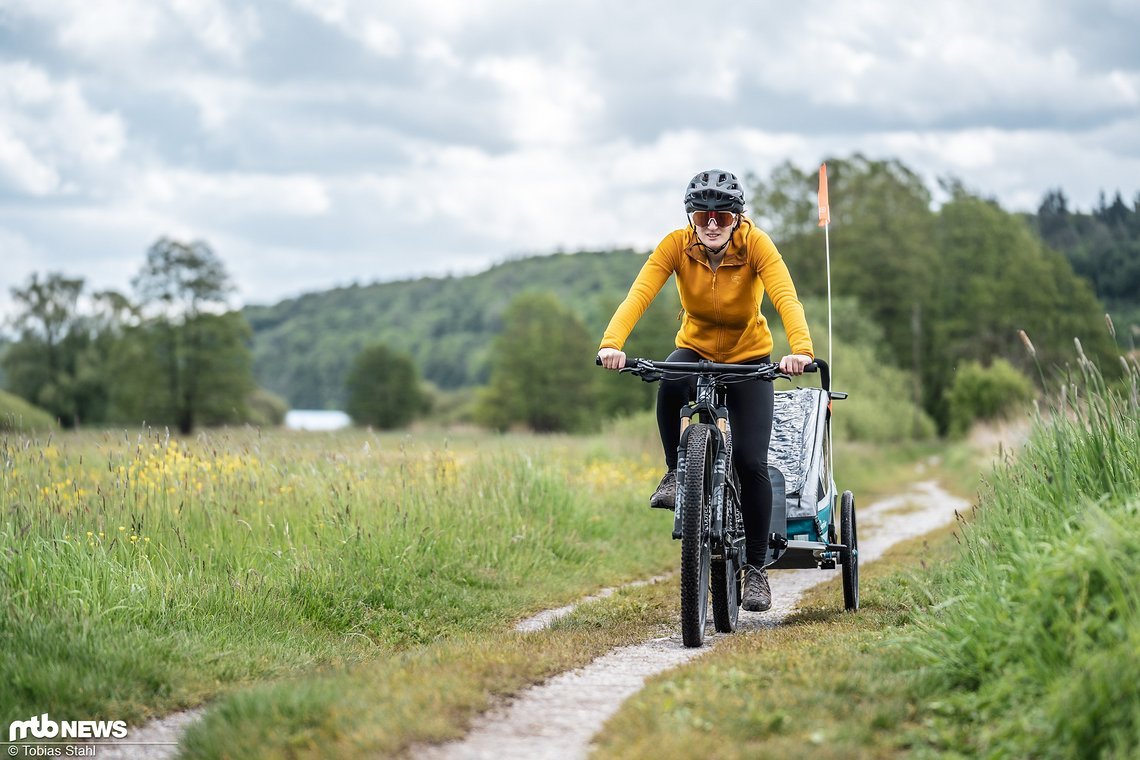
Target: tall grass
[140, 572]
[1031, 650]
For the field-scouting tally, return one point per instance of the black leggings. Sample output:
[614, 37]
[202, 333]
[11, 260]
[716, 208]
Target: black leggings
[750, 414]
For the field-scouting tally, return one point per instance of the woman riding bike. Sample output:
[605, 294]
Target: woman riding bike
[724, 264]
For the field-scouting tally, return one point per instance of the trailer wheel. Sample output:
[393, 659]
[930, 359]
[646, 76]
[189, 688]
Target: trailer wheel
[850, 538]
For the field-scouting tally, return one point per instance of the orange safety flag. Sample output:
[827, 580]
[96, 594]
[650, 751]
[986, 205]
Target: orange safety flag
[824, 209]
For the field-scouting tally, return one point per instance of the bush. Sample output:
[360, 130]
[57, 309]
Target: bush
[981, 393]
[384, 389]
[17, 415]
[544, 372]
[266, 409]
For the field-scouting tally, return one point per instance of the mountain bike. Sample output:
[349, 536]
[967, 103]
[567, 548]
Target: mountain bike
[707, 517]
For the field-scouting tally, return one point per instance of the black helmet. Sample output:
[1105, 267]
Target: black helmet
[714, 190]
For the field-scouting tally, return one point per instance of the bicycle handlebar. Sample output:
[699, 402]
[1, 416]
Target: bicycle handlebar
[766, 371]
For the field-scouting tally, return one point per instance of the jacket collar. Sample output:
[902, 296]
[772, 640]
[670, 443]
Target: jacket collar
[733, 256]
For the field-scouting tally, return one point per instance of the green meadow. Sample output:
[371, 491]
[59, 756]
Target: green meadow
[352, 592]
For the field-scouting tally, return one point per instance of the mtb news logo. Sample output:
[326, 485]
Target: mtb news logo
[43, 727]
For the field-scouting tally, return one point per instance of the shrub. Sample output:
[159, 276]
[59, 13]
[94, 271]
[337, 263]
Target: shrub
[266, 409]
[986, 393]
[384, 389]
[17, 415]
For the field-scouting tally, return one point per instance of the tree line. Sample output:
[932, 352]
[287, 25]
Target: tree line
[171, 353]
[932, 290]
[947, 286]
[1103, 245]
[946, 289]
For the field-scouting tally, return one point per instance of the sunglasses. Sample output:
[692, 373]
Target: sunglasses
[723, 218]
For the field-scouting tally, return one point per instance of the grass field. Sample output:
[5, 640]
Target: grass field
[142, 573]
[352, 593]
[319, 589]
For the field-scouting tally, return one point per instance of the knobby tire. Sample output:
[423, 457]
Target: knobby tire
[694, 494]
[726, 572]
[850, 536]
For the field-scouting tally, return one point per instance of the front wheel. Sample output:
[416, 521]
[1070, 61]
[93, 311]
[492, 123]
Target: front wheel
[850, 538]
[693, 494]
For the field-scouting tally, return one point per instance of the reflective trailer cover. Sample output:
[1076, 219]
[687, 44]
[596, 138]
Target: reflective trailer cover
[799, 427]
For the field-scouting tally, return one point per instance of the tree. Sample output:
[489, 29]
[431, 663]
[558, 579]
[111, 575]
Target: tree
[197, 354]
[542, 368]
[1103, 246]
[1000, 278]
[57, 363]
[882, 235]
[384, 389]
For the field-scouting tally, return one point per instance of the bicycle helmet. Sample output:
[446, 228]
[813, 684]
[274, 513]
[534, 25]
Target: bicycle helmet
[714, 190]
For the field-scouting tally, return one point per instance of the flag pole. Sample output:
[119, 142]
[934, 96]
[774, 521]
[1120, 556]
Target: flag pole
[825, 222]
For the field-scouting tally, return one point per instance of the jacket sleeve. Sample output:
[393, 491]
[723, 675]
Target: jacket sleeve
[778, 284]
[652, 277]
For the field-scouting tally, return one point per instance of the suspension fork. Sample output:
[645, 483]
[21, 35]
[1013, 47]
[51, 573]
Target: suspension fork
[719, 475]
[720, 466]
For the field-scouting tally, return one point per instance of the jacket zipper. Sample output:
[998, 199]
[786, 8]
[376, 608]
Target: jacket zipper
[716, 311]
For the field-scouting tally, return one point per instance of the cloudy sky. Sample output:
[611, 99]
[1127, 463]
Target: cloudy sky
[319, 142]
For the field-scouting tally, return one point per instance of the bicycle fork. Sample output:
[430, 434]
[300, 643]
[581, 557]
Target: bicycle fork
[719, 469]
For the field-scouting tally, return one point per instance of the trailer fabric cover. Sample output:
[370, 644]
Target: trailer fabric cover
[799, 423]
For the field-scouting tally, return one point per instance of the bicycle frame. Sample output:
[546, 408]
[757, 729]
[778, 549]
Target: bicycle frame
[710, 407]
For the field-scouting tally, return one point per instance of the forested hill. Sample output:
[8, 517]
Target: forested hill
[303, 347]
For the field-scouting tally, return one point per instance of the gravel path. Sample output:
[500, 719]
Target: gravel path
[157, 740]
[558, 718]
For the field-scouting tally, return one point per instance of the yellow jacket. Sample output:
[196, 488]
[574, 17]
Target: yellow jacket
[721, 318]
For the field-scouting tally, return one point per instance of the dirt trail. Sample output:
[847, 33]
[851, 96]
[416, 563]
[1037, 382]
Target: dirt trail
[560, 717]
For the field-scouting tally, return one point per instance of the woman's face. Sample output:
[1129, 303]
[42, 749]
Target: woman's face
[712, 234]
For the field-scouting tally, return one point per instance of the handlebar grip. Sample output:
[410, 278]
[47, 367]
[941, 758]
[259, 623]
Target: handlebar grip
[630, 361]
[824, 373]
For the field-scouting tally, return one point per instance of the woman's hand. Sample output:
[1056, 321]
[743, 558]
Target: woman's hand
[793, 364]
[612, 358]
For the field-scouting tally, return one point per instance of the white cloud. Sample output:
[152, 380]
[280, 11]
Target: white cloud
[542, 126]
[225, 33]
[544, 103]
[213, 198]
[24, 172]
[362, 22]
[110, 33]
[50, 135]
[381, 38]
